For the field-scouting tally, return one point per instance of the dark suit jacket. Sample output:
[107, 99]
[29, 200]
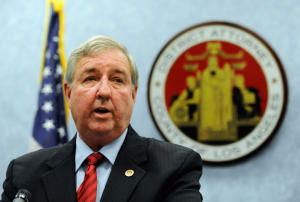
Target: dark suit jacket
[163, 172]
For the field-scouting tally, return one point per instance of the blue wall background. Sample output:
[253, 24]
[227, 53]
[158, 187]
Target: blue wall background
[145, 26]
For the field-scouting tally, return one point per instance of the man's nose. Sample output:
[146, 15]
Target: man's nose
[104, 89]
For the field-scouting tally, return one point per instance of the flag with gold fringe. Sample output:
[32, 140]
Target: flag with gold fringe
[50, 127]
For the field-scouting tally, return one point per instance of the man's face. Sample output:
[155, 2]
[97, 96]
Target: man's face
[102, 97]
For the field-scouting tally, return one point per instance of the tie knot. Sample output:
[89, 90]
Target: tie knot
[94, 158]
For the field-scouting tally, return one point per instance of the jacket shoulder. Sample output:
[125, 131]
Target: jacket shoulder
[38, 156]
[169, 149]
[40, 161]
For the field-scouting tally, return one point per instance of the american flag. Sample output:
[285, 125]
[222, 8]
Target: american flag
[50, 120]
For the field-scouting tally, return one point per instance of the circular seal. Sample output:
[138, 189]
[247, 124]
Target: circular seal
[219, 89]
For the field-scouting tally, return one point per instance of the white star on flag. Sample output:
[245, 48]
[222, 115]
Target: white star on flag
[58, 71]
[55, 38]
[58, 88]
[48, 124]
[47, 89]
[47, 71]
[55, 57]
[47, 107]
[61, 132]
[48, 54]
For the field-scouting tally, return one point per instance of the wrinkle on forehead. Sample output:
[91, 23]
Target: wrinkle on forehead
[113, 58]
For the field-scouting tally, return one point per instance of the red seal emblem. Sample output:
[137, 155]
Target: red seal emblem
[219, 89]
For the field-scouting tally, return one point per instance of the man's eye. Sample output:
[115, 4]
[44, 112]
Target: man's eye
[118, 80]
[91, 78]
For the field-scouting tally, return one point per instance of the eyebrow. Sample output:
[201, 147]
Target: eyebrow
[118, 71]
[93, 69]
[89, 70]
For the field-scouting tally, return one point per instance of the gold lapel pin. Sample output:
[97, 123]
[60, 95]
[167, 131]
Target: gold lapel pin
[129, 173]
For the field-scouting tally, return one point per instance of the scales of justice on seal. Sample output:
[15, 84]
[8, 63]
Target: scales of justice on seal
[219, 89]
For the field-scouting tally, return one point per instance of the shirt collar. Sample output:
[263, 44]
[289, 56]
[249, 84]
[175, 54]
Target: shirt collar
[110, 151]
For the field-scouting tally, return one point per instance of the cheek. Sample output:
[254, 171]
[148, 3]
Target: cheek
[124, 102]
[81, 100]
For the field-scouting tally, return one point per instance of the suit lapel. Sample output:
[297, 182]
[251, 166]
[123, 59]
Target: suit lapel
[59, 182]
[121, 184]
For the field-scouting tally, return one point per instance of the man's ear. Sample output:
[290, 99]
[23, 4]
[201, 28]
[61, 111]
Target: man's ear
[134, 92]
[67, 91]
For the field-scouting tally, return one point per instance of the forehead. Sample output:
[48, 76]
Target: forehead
[112, 59]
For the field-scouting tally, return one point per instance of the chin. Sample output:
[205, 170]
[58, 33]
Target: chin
[101, 131]
[102, 128]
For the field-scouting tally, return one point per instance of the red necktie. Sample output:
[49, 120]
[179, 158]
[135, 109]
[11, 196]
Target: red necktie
[88, 188]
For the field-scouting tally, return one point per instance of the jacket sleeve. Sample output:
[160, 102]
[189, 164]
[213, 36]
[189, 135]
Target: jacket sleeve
[185, 185]
[9, 190]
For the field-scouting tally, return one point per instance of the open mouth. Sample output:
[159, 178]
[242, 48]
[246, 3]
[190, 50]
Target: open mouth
[101, 111]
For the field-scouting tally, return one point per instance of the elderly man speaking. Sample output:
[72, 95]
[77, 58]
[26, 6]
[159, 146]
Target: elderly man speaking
[107, 160]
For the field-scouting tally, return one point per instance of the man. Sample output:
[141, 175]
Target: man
[100, 86]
